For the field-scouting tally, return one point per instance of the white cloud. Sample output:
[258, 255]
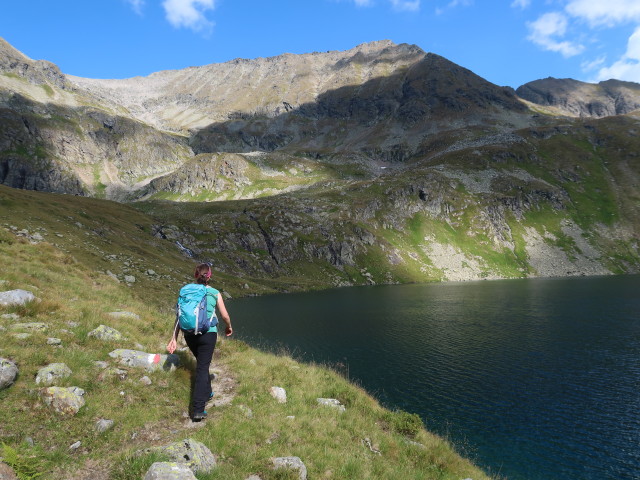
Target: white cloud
[521, 3]
[605, 12]
[547, 32]
[591, 65]
[628, 67]
[136, 5]
[189, 14]
[406, 5]
[363, 3]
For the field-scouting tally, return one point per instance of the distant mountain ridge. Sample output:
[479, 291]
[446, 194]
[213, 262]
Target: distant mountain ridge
[580, 99]
[379, 164]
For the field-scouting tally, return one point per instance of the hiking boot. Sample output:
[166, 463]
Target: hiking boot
[199, 416]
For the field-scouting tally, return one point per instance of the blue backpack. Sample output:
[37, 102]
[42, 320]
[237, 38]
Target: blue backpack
[191, 310]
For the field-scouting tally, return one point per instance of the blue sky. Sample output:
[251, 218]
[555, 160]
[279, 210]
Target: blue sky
[507, 42]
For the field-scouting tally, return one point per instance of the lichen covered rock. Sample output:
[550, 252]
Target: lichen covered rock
[103, 332]
[66, 401]
[53, 372]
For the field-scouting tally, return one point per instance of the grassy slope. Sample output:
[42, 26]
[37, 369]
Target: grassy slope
[75, 298]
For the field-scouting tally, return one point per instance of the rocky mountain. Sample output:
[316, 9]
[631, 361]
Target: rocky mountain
[379, 164]
[580, 99]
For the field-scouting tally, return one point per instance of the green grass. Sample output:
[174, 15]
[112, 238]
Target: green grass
[73, 299]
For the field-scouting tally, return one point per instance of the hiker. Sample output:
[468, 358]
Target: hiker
[201, 341]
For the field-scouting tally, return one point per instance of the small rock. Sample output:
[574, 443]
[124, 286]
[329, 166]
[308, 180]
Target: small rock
[105, 333]
[75, 446]
[73, 324]
[8, 373]
[331, 402]
[291, 417]
[103, 425]
[293, 463]
[169, 471]
[145, 380]
[50, 374]
[101, 364]
[253, 477]
[10, 316]
[29, 441]
[16, 297]
[279, 394]
[192, 453]
[53, 341]
[130, 279]
[66, 401]
[150, 272]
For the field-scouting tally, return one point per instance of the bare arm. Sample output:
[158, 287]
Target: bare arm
[224, 315]
[173, 343]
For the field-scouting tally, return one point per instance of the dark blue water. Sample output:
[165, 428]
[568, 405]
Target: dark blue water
[534, 379]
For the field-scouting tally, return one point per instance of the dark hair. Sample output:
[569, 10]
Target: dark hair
[203, 273]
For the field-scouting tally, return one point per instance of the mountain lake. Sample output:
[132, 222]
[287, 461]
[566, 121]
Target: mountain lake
[535, 379]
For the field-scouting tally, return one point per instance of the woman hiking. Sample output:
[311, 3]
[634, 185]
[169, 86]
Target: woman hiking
[201, 343]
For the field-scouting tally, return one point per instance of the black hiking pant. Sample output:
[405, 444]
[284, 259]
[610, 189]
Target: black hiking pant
[202, 347]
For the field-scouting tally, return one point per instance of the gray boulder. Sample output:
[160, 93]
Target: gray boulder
[103, 425]
[331, 402]
[16, 297]
[50, 374]
[8, 373]
[169, 471]
[191, 453]
[66, 401]
[279, 393]
[293, 463]
[148, 361]
[106, 333]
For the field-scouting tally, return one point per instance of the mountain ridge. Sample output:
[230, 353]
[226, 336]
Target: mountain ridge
[423, 172]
